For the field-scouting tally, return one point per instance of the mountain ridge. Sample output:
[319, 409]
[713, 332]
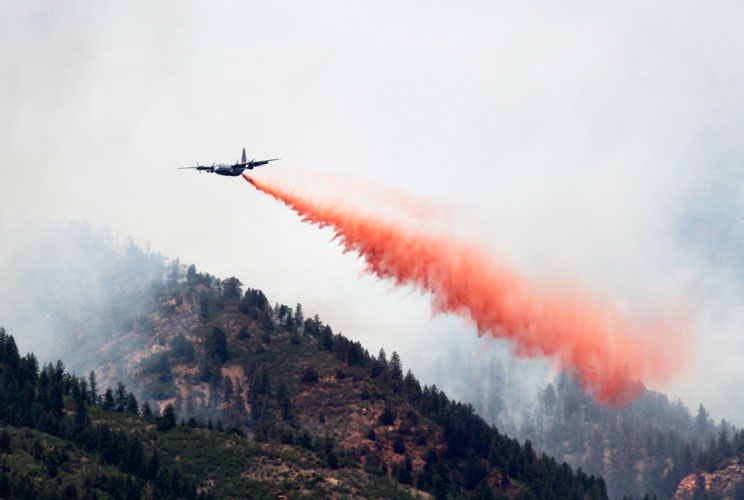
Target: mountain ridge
[178, 336]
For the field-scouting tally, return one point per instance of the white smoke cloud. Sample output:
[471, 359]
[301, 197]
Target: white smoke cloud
[595, 144]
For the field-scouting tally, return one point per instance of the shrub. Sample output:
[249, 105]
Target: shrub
[399, 446]
[309, 375]
[387, 417]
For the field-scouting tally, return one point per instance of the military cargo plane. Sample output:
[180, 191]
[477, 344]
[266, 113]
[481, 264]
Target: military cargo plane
[231, 170]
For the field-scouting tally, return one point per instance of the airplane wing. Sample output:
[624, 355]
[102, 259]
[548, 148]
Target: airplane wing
[200, 168]
[262, 162]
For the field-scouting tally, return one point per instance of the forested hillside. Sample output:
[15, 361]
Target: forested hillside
[309, 413]
[648, 447]
[60, 438]
[214, 352]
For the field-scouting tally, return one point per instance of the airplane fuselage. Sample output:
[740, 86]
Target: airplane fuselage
[238, 168]
[231, 170]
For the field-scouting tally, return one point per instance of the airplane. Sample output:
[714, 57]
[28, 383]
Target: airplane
[231, 170]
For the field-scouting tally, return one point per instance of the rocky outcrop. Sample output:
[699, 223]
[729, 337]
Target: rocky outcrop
[723, 482]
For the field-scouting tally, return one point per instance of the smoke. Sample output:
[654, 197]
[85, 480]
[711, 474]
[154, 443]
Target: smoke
[382, 195]
[610, 356]
[75, 293]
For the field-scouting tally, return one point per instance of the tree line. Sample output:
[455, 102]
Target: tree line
[34, 398]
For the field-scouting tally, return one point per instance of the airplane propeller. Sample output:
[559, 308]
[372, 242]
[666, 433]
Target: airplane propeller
[200, 167]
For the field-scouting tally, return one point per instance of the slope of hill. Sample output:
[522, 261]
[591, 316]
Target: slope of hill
[647, 447]
[214, 352]
[181, 337]
[58, 439]
[201, 345]
[726, 483]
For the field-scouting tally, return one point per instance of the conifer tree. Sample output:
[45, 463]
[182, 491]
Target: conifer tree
[216, 345]
[396, 367]
[282, 400]
[168, 420]
[191, 275]
[299, 319]
[132, 406]
[121, 397]
[231, 288]
[108, 400]
[146, 410]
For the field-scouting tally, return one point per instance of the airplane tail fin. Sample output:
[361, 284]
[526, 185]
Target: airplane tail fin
[242, 160]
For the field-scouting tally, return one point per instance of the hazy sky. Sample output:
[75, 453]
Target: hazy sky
[579, 141]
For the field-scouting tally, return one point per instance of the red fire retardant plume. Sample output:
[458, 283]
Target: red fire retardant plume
[609, 357]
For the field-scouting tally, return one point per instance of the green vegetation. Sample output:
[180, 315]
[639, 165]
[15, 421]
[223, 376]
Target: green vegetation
[286, 380]
[58, 440]
[315, 412]
[647, 448]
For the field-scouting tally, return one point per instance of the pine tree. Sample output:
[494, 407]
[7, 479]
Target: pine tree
[146, 410]
[387, 417]
[237, 408]
[381, 357]
[56, 401]
[227, 391]
[298, 316]
[82, 420]
[132, 406]
[702, 421]
[326, 338]
[282, 400]
[231, 288]
[396, 367]
[121, 397]
[203, 306]
[216, 345]
[168, 420]
[191, 275]
[82, 389]
[135, 455]
[153, 466]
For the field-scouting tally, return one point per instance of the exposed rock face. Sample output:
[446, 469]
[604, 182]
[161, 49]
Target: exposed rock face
[723, 482]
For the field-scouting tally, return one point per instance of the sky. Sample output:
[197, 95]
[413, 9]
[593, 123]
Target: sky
[596, 144]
